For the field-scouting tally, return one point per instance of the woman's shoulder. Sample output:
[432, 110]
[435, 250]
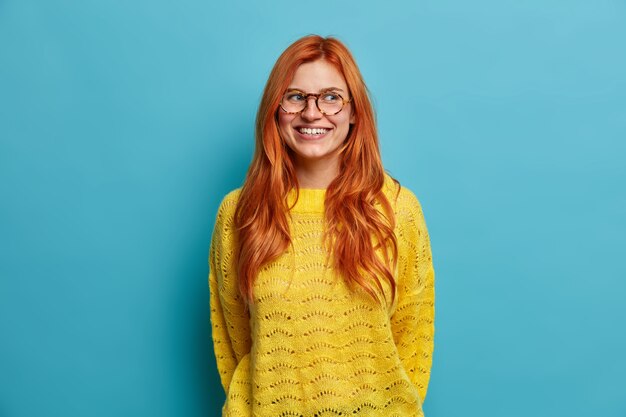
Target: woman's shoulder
[400, 196]
[231, 197]
[406, 206]
[226, 210]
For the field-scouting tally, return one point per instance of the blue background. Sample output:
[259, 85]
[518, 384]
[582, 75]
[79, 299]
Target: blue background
[124, 123]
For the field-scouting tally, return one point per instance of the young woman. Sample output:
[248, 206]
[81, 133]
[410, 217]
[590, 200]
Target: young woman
[321, 277]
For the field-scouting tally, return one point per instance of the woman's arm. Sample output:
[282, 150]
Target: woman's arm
[412, 322]
[229, 318]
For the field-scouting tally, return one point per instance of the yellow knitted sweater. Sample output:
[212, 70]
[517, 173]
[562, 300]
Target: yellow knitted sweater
[311, 346]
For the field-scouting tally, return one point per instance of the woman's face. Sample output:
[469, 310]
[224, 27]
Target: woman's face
[311, 146]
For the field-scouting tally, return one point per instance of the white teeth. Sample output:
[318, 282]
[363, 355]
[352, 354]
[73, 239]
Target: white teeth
[309, 131]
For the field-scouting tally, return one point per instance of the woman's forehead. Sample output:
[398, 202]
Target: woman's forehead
[317, 76]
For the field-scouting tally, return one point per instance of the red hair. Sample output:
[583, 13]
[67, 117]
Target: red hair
[352, 222]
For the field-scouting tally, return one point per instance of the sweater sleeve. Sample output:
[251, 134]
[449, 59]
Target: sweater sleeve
[229, 317]
[412, 322]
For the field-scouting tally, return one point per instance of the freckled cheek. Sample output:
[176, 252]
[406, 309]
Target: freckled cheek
[342, 124]
[284, 121]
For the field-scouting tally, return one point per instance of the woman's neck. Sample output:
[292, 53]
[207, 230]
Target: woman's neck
[317, 175]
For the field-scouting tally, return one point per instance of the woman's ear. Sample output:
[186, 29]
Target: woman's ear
[352, 116]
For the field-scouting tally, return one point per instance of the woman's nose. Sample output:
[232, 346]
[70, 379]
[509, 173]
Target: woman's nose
[311, 112]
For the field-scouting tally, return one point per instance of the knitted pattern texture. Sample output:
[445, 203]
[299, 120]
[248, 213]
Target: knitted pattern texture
[311, 345]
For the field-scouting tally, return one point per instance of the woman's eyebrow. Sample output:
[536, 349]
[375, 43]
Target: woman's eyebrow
[321, 90]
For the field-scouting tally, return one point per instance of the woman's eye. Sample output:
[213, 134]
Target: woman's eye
[295, 97]
[330, 97]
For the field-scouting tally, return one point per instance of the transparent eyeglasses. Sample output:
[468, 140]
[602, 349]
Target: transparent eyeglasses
[328, 103]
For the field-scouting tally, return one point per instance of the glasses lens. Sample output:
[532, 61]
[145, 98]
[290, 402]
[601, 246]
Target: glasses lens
[293, 101]
[330, 103]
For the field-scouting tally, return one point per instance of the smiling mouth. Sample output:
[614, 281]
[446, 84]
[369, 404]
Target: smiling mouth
[313, 131]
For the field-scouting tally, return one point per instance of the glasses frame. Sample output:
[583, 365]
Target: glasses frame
[317, 97]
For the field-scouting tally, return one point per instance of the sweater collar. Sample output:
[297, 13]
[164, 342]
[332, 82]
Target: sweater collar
[310, 200]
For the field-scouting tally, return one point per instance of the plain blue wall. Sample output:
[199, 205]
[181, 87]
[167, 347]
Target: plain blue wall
[123, 124]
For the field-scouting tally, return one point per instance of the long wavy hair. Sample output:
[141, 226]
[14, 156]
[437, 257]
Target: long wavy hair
[354, 228]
